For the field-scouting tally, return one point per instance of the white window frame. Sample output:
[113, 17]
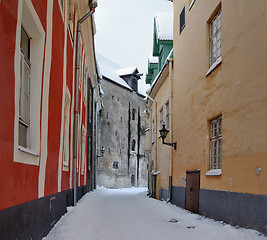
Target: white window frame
[62, 5]
[83, 149]
[66, 150]
[191, 3]
[215, 43]
[29, 19]
[167, 114]
[216, 143]
[153, 131]
[24, 93]
[85, 83]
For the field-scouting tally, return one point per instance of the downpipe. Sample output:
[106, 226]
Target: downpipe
[76, 104]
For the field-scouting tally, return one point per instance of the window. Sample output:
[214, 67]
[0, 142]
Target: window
[215, 38]
[28, 69]
[160, 118]
[83, 149]
[168, 115]
[182, 20]
[153, 131]
[133, 145]
[133, 114]
[216, 143]
[84, 82]
[24, 93]
[115, 165]
[66, 129]
[71, 19]
[61, 4]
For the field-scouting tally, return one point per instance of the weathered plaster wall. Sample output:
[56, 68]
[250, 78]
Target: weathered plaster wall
[114, 129]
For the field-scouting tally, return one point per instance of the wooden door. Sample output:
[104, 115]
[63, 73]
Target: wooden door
[192, 191]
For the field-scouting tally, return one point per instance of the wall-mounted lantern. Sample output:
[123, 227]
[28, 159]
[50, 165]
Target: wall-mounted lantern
[163, 133]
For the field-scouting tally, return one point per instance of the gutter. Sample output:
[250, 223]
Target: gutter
[76, 104]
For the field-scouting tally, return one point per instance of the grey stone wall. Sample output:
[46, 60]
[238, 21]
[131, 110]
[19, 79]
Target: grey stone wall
[123, 165]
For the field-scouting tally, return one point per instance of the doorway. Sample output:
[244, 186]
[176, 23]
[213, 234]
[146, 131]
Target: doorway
[192, 191]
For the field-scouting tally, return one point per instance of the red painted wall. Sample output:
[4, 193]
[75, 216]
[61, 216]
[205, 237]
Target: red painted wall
[55, 103]
[19, 182]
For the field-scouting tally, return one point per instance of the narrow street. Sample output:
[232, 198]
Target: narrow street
[128, 214]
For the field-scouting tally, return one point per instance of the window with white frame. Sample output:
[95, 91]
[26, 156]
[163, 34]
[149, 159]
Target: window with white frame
[83, 149]
[84, 82]
[28, 68]
[160, 118]
[153, 131]
[215, 37]
[24, 93]
[61, 5]
[66, 129]
[216, 143]
[71, 18]
[182, 20]
[167, 105]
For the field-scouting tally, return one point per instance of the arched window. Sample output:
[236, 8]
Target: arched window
[133, 144]
[133, 114]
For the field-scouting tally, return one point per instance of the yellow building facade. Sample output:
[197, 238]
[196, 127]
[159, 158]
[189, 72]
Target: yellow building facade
[220, 109]
[160, 156]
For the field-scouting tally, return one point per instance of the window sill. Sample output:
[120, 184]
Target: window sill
[214, 172]
[214, 65]
[26, 150]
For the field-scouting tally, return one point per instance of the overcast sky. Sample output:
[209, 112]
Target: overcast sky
[125, 31]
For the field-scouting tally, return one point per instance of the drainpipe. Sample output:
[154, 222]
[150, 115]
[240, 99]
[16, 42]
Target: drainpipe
[76, 104]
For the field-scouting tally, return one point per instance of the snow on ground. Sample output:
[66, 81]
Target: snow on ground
[128, 214]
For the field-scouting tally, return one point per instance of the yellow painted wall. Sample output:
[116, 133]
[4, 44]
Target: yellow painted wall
[160, 154]
[237, 89]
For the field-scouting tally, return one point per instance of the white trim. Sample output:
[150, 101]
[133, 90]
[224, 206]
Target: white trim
[214, 65]
[191, 4]
[214, 172]
[45, 102]
[60, 159]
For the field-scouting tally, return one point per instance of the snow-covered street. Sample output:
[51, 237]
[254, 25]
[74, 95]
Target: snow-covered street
[128, 214]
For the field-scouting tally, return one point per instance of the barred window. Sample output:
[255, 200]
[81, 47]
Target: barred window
[216, 143]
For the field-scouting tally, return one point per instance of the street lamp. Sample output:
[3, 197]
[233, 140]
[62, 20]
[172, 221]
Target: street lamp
[163, 133]
[102, 152]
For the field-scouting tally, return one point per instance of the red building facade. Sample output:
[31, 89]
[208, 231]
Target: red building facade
[37, 103]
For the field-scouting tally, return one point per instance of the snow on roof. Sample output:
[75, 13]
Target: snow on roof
[108, 69]
[126, 71]
[164, 23]
[152, 59]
